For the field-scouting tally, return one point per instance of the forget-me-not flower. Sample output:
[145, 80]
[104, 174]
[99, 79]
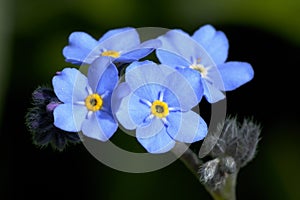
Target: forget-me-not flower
[86, 101]
[205, 53]
[159, 107]
[122, 45]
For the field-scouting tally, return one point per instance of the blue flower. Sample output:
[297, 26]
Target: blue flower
[205, 53]
[86, 101]
[159, 107]
[121, 45]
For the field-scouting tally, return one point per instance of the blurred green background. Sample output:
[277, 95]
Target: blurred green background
[264, 33]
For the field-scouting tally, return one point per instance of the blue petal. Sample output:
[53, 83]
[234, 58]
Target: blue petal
[214, 77]
[235, 74]
[150, 44]
[215, 42]
[69, 117]
[121, 91]
[182, 44]
[123, 115]
[149, 92]
[102, 75]
[80, 45]
[159, 143]
[194, 79]
[211, 93]
[171, 99]
[151, 129]
[70, 85]
[107, 100]
[75, 55]
[138, 111]
[183, 89]
[136, 75]
[133, 55]
[121, 41]
[133, 65]
[113, 32]
[100, 126]
[139, 52]
[186, 127]
[171, 59]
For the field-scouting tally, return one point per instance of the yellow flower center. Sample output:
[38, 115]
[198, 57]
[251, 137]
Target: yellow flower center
[114, 54]
[159, 109]
[200, 68]
[93, 102]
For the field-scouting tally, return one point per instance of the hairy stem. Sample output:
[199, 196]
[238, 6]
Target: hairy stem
[188, 157]
[227, 192]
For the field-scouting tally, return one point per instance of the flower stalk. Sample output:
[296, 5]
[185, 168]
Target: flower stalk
[227, 192]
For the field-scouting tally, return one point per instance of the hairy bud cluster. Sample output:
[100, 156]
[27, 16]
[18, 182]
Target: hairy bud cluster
[233, 150]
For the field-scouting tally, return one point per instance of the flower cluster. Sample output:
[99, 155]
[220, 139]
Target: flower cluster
[154, 99]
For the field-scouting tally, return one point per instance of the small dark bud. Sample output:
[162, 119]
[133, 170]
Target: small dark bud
[39, 121]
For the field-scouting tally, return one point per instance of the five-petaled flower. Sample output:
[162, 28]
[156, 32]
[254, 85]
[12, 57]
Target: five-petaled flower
[86, 101]
[159, 107]
[205, 52]
[122, 45]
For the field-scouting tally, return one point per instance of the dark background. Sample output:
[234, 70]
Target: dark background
[265, 34]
